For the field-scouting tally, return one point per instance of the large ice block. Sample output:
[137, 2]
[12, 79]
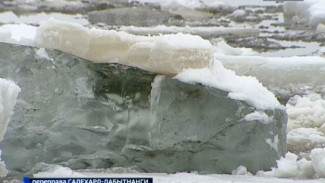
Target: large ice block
[81, 114]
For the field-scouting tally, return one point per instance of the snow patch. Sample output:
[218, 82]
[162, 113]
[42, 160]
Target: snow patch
[41, 53]
[273, 143]
[242, 88]
[53, 171]
[258, 116]
[18, 34]
[241, 170]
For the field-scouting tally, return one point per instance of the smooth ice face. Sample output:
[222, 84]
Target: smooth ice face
[201, 128]
[156, 54]
[81, 115]
[8, 94]
[58, 118]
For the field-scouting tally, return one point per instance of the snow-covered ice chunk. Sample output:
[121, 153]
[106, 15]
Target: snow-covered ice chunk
[304, 139]
[8, 94]
[117, 107]
[306, 122]
[309, 11]
[306, 111]
[318, 160]
[165, 54]
[290, 167]
[239, 13]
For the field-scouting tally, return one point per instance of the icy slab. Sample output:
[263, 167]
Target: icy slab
[311, 12]
[138, 16]
[268, 70]
[9, 17]
[63, 6]
[292, 167]
[156, 54]
[118, 107]
[200, 4]
[286, 76]
[205, 32]
[192, 4]
[8, 94]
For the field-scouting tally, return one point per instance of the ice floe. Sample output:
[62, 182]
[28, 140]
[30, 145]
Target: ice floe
[166, 54]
